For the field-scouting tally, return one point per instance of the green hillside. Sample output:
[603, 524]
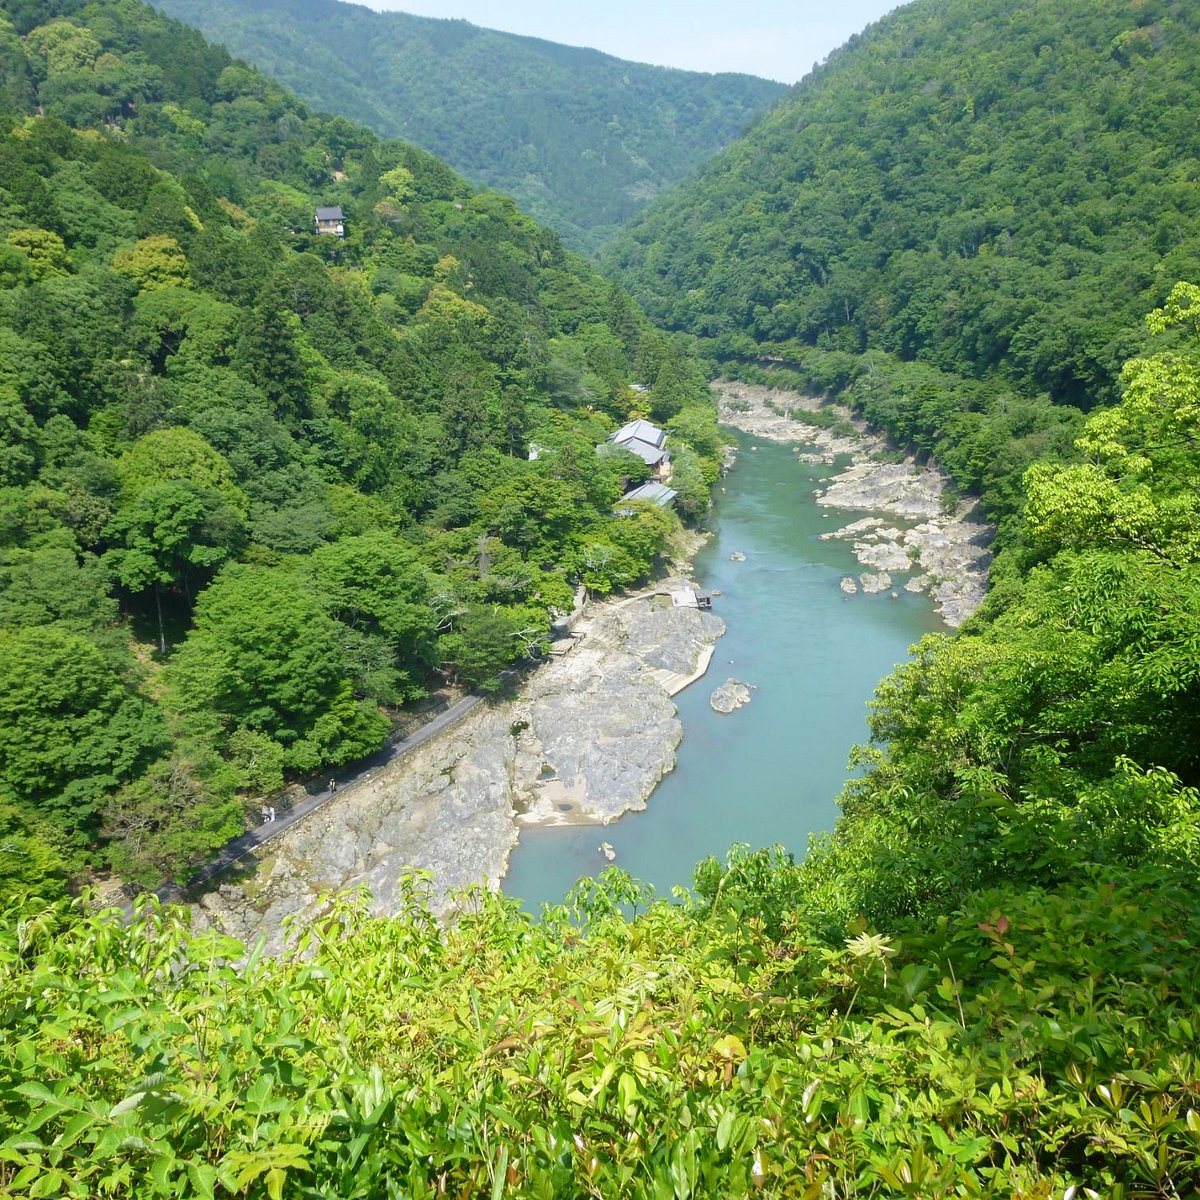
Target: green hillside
[995, 189]
[262, 487]
[970, 225]
[580, 139]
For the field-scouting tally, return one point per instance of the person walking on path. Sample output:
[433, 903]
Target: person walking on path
[333, 785]
[266, 814]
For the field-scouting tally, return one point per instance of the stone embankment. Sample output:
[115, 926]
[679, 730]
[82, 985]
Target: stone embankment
[587, 738]
[935, 543]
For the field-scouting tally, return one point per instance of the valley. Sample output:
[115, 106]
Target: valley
[879, 878]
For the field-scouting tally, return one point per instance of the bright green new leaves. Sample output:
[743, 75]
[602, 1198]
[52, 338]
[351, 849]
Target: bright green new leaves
[30, 862]
[70, 727]
[1084, 506]
[1026, 1041]
[263, 656]
[62, 46]
[43, 250]
[1139, 487]
[176, 455]
[1063, 732]
[153, 263]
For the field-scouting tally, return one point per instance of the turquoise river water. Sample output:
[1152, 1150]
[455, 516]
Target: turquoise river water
[770, 772]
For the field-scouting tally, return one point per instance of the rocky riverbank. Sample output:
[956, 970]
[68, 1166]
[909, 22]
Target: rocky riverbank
[936, 544]
[587, 738]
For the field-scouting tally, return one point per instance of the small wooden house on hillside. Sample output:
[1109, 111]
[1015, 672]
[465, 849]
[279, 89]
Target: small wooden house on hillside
[651, 491]
[648, 442]
[331, 221]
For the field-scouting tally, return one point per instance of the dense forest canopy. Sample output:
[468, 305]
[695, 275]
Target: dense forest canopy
[258, 484]
[993, 189]
[580, 139]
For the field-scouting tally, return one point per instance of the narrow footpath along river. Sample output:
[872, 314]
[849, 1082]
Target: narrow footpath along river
[771, 771]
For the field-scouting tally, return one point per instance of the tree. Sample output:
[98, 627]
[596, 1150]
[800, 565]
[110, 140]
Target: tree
[688, 480]
[71, 730]
[267, 356]
[481, 644]
[375, 586]
[1139, 486]
[177, 455]
[54, 586]
[158, 825]
[153, 263]
[43, 250]
[30, 864]
[534, 512]
[172, 535]
[18, 438]
[264, 656]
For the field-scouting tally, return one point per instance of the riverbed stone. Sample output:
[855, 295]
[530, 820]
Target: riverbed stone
[731, 695]
[744, 406]
[897, 488]
[849, 585]
[873, 583]
[883, 556]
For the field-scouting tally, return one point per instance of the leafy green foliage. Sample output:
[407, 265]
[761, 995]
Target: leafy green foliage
[70, 728]
[295, 465]
[262, 656]
[1023, 1044]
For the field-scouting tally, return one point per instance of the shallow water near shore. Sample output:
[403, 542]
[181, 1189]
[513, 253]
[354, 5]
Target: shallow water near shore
[770, 772]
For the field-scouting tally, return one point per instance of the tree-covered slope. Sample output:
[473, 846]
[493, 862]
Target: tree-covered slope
[259, 486]
[991, 188]
[579, 138]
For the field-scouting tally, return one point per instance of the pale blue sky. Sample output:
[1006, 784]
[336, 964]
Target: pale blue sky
[779, 39]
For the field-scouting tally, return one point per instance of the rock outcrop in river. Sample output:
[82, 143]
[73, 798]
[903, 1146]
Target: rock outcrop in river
[587, 738]
[731, 695]
[940, 540]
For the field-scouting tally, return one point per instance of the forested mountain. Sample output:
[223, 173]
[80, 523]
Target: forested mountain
[965, 225]
[580, 139]
[258, 483]
[992, 188]
[971, 225]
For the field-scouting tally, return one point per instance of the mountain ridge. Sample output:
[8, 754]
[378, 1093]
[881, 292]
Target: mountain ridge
[578, 137]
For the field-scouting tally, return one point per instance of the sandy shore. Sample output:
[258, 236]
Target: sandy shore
[914, 538]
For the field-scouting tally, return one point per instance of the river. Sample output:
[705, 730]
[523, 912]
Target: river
[770, 772]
